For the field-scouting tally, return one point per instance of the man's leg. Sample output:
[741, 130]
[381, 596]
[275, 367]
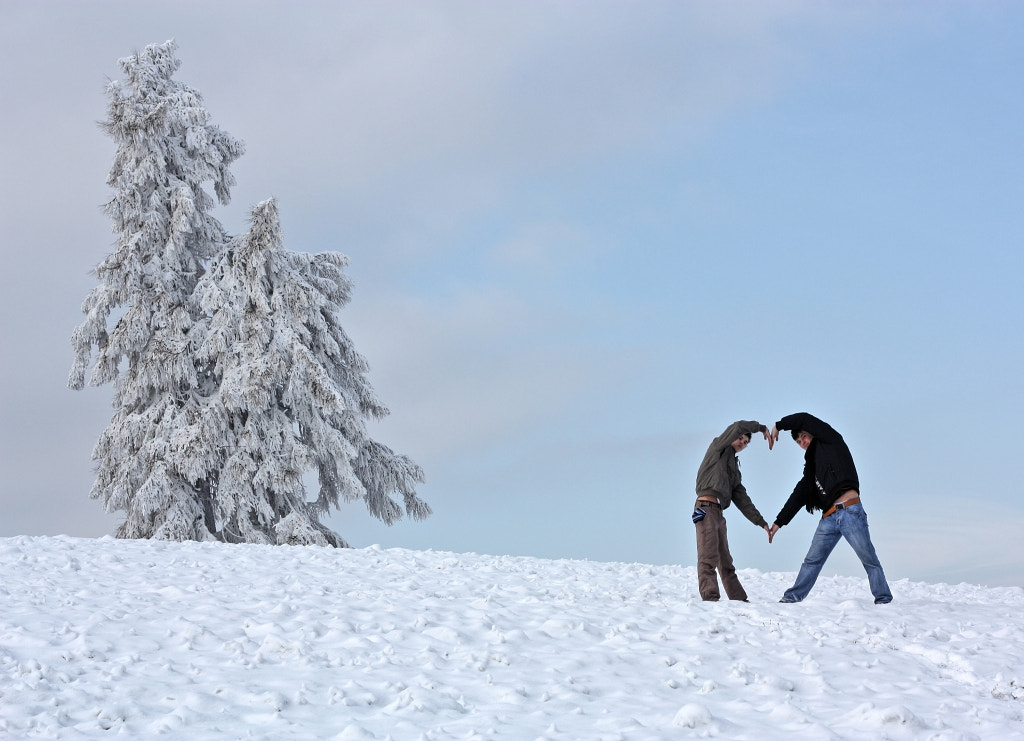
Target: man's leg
[707, 553]
[854, 525]
[825, 538]
[726, 570]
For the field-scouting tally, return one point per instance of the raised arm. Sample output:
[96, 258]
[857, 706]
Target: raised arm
[809, 423]
[733, 431]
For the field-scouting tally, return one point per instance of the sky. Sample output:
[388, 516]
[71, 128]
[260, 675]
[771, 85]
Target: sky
[585, 237]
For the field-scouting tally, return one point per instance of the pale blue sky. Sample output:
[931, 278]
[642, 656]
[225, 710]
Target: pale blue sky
[585, 237]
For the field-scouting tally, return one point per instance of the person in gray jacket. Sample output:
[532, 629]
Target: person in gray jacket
[719, 484]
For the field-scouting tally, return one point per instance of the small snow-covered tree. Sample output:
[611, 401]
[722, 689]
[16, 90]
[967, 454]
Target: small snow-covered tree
[293, 394]
[147, 464]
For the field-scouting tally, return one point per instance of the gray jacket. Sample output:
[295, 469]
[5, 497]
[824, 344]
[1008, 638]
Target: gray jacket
[719, 472]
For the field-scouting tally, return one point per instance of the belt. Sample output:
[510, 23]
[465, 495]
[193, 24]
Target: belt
[710, 501]
[842, 505]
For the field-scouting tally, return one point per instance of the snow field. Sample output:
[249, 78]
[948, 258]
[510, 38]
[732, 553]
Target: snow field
[148, 639]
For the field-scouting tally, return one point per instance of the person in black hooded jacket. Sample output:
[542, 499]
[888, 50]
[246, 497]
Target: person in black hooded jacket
[830, 484]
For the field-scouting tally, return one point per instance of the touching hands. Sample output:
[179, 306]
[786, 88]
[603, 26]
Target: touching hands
[772, 437]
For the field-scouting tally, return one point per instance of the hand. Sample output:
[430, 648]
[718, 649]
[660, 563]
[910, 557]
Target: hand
[772, 436]
[771, 531]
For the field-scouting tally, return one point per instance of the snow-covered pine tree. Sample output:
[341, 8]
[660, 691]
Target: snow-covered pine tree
[147, 463]
[293, 394]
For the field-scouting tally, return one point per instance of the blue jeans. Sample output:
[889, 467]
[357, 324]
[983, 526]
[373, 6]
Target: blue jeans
[852, 524]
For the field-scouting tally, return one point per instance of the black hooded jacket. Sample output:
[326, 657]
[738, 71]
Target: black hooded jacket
[828, 467]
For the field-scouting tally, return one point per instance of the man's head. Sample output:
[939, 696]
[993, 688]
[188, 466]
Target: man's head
[741, 442]
[803, 438]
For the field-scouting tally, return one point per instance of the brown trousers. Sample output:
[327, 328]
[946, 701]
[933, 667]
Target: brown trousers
[713, 553]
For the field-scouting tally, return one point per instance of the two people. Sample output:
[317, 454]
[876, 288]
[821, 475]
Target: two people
[829, 484]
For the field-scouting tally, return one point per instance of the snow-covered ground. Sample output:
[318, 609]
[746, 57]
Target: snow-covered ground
[140, 639]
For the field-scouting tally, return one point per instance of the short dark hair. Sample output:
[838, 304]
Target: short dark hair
[795, 433]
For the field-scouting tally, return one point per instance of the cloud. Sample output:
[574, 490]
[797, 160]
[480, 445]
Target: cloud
[944, 542]
[545, 249]
[449, 105]
[473, 368]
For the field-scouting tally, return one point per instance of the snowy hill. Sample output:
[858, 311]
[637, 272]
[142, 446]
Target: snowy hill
[210, 641]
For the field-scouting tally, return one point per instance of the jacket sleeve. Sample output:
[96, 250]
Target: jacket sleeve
[796, 500]
[742, 500]
[809, 423]
[733, 432]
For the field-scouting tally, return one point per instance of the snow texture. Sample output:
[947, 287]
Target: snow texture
[147, 639]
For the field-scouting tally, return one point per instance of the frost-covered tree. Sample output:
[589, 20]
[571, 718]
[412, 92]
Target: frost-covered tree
[229, 386]
[167, 150]
[293, 395]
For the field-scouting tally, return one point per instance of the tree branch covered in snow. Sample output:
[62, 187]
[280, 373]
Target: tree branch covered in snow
[294, 393]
